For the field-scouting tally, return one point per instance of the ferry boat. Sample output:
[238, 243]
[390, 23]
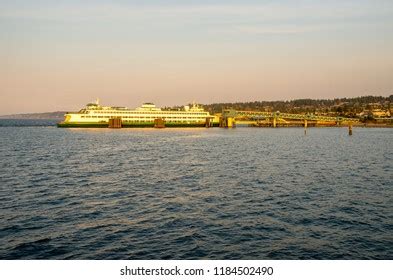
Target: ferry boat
[148, 115]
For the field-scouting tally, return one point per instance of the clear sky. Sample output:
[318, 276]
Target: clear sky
[60, 55]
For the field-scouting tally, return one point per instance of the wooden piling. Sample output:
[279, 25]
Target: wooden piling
[159, 123]
[208, 122]
[350, 129]
[114, 123]
[222, 122]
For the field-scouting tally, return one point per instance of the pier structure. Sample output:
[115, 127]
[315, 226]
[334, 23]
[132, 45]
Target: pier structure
[276, 119]
[227, 120]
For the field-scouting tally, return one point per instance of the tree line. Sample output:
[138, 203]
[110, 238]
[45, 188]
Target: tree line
[337, 106]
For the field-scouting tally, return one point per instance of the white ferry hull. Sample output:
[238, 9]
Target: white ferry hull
[95, 115]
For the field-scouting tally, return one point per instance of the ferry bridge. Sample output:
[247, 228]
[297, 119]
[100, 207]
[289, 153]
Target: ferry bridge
[229, 117]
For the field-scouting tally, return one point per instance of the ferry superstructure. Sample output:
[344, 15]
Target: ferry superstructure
[95, 115]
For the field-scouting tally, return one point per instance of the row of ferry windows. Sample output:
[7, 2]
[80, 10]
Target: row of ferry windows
[148, 112]
[139, 117]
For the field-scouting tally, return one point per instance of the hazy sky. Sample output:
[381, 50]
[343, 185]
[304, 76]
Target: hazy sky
[60, 55]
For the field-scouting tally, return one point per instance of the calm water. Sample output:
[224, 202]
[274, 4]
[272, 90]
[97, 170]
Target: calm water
[245, 193]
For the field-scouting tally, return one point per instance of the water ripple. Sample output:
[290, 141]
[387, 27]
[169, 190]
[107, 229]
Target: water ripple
[195, 193]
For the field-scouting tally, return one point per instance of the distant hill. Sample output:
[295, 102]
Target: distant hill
[37, 116]
[339, 106]
[348, 107]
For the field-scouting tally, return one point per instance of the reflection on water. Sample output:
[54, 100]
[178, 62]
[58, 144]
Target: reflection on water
[245, 193]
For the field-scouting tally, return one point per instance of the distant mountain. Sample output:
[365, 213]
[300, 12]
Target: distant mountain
[37, 116]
